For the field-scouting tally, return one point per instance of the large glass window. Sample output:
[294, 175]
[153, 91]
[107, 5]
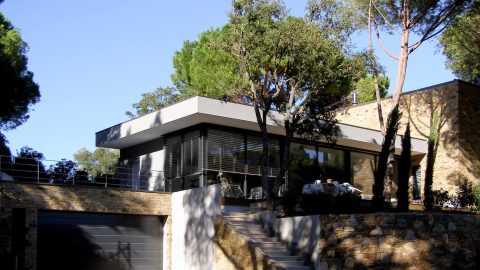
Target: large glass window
[362, 171]
[254, 155]
[302, 168]
[225, 151]
[332, 164]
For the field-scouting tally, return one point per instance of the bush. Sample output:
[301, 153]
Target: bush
[465, 194]
[289, 201]
[476, 194]
[326, 203]
[440, 197]
[319, 203]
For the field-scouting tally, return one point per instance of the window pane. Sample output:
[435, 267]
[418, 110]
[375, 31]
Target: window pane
[302, 168]
[331, 162]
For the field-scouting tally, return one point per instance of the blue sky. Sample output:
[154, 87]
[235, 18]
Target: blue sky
[93, 59]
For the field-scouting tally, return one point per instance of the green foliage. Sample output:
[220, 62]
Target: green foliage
[465, 194]
[432, 145]
[150, 102]
[4, 149]
[62, 171]
[28, 152]
[102, 161]
[19, 91]
[439, 198]
[461, 45]
[426, 16]
[404, 168]
[291, 65]
[366, 89]
[476, 194]
[289, 201]
[203, 67]
[378, 185]
[28, 165]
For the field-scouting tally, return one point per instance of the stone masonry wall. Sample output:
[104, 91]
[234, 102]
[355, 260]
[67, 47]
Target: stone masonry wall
[399, 241]
[418, 108]
[382, 240]
[35, 197]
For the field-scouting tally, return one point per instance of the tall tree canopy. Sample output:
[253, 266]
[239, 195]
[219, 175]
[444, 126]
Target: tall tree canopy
[461, 45]
[288, 64]
[202, 67]
[365, 88]
[150, 102]
[18, 89]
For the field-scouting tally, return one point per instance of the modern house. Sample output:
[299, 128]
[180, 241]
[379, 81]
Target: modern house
[192, 141]
[190, 144]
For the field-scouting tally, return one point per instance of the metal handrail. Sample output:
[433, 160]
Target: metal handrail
[32, 170]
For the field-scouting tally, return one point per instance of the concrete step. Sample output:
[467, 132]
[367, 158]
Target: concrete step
[269, 245]
[277, 253]
[292, 265]
[251, 230]
[260, 238]
[288, 258]
[263, 239]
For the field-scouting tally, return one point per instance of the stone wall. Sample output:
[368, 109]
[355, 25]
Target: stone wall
[34, 197]
[382, 240]
[457, 108]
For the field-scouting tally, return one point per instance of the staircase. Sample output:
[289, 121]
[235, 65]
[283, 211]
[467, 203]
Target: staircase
[281, 256]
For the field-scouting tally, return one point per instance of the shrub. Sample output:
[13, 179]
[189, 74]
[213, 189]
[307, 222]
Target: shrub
[465, 194]
[439, 198]
[289, 201]
[319, 203]
[476, 194]
[346, 203]
[326, 203]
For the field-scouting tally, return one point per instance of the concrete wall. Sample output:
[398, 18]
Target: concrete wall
[382, 240]
[193, 227]
[457, 106]
[146, 161]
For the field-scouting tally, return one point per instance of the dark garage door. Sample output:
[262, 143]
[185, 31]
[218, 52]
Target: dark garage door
[68, 240]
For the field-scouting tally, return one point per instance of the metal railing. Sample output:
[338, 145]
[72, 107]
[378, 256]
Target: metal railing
[64, 172]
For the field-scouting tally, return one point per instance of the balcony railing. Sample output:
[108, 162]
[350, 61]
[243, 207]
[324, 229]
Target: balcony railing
[64, 172]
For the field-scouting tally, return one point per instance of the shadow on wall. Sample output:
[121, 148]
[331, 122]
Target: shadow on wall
[193, 227]
[435, 112]
[469, 141]
[110, 134]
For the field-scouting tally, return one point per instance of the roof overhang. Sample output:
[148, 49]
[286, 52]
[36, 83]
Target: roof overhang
[199, 110]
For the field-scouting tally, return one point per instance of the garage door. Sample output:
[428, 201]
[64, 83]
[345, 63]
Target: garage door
[68, 240]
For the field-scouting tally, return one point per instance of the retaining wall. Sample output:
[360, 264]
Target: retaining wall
[382, 240]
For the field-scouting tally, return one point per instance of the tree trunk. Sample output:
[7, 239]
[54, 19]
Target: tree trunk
[285, 159]
[401, 72]
[262, 123]
[428, 200]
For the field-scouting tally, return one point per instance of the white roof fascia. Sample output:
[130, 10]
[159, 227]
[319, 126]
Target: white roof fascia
[198, 110]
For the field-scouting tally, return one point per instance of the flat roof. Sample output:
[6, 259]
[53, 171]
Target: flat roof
[197, 110]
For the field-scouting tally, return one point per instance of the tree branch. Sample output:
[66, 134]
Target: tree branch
[380, 41]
